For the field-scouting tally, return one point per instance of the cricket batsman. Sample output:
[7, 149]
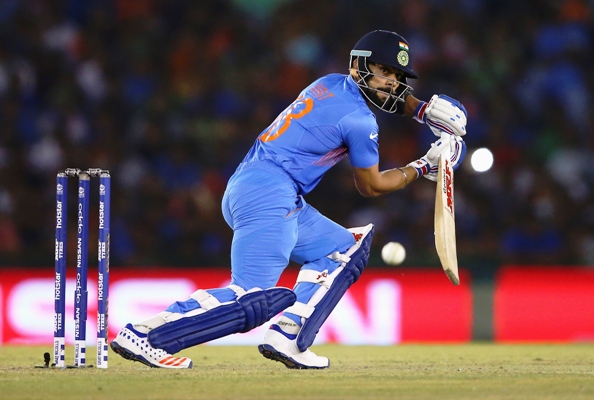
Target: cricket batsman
[272, 223]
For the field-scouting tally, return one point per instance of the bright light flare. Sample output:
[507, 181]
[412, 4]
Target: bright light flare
[481, 159]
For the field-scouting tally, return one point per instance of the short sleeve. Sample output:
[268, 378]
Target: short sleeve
[361, 137]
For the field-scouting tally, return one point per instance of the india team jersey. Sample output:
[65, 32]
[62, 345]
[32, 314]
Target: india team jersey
[328, 121]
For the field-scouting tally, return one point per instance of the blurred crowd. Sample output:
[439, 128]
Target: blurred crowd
[170, 94]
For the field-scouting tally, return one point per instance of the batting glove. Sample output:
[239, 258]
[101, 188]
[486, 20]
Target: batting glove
[442, 113]
[448, 146]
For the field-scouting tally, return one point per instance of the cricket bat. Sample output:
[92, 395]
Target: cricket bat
[445, 220]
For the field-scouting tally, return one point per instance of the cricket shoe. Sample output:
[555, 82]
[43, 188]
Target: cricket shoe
[278, 347]
[133, 345]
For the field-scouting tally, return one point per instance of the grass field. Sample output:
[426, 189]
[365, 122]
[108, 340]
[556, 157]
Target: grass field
[475, 371]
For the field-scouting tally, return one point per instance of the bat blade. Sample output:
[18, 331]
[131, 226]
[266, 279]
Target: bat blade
[445, 220]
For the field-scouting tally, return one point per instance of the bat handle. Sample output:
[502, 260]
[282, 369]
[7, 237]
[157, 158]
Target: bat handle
[447, 152]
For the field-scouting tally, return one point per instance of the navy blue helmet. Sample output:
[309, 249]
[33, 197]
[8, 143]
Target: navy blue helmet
[386, 48]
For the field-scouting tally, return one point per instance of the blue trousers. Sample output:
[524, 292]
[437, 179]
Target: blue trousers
[271, 225]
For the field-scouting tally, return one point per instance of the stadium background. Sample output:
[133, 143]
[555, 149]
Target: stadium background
[169, 95]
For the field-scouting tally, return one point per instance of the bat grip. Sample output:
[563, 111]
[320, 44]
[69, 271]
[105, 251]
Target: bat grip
[447, 152]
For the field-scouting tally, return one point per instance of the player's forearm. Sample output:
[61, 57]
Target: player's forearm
[371, 184]
[398, 178]
[386, 182]
[395, 179]
[411, 105]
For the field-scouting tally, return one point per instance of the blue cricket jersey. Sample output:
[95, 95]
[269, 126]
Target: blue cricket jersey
[328, 121]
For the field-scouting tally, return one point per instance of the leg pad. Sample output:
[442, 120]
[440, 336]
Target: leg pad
[242, 315]
[347, 274]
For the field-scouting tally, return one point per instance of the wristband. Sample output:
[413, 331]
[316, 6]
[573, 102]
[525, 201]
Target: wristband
[419, 115]
[421, 166]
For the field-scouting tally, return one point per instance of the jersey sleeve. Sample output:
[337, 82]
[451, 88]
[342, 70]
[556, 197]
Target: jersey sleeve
[360, 134]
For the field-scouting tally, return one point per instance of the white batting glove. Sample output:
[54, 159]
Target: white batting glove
[448, 146]
[442, 113]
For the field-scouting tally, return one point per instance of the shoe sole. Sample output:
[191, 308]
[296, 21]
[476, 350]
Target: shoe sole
[128, 355]
[272, 354]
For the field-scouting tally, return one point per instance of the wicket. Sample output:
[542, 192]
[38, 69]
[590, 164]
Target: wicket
[80, 292]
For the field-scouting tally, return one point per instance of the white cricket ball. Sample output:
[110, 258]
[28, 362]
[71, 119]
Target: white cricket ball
[393, 253]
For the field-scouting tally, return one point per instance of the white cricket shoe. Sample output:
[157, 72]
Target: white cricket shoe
[278, 347]
[133, 345]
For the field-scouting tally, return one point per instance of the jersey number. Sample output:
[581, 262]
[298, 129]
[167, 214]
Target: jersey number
[298, 109]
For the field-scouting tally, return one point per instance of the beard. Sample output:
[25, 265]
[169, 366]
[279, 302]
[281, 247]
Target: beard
[384, 104]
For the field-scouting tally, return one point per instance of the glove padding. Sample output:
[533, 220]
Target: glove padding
[449, 146]
[443, 113]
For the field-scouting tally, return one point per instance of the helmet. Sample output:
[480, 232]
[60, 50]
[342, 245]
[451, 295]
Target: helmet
[387, 48]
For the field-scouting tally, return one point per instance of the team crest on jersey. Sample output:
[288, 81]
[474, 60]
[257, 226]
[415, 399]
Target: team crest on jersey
[403, 58]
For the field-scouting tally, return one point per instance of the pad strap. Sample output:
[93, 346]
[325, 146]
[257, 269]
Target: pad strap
[237, 289]
[301, 309]
[206, 300]
[311, 276]
[337, 256]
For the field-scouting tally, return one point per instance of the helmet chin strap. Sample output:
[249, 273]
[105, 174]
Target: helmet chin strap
[392, 102]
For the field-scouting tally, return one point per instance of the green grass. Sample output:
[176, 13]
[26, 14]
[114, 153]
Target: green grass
[475, 371]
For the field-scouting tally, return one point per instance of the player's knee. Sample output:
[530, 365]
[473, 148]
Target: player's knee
[345, 240]
[355, 258]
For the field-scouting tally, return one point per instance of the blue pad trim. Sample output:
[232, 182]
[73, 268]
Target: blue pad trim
[349, 275]
[244, 314]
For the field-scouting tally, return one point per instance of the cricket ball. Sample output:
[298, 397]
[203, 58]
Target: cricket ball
[393, 253]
